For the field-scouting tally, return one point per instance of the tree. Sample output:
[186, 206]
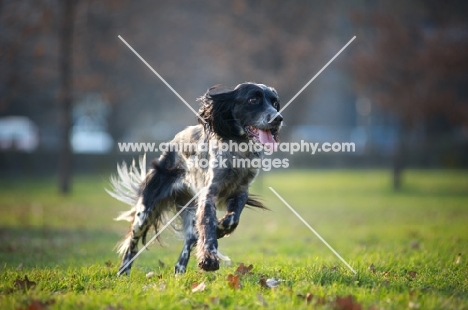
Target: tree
[413, 65]
[66, 99]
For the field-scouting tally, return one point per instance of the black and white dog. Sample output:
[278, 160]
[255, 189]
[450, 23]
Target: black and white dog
[239, 115]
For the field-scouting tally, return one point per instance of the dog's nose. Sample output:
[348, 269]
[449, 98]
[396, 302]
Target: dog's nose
[278, 119]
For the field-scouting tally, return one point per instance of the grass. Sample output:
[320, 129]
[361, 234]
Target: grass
[404, 246]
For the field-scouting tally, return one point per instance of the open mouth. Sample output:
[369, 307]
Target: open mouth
[267, 137]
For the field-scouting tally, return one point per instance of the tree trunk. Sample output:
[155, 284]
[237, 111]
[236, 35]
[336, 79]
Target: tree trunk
[65, 99]
[398, 164]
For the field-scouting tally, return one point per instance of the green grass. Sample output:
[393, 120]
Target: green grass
[403, 245]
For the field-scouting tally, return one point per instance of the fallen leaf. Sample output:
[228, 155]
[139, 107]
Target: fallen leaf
[24, 284]
[458, 259]
[242, 269]
[39, 305]
[161, 263]
[234, 281]
[347, 303]
[412, 274]
[109, 263]
[150, 274]
[198, 287]
[372, 268]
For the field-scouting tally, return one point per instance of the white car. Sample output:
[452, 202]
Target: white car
[18, 133]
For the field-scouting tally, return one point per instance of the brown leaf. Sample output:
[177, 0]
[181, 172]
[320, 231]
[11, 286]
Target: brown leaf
[109, 263]
[39, 305]
[24, 284]
[161, 263]
[412, 274]
[234, 281]
[372, 268]
[242, 269]
[198, 287]
[347, 303]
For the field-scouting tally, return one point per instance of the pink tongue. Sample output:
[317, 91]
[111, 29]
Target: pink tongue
[266, 138]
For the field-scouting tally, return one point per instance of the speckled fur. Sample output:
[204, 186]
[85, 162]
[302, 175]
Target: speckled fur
[173, 180]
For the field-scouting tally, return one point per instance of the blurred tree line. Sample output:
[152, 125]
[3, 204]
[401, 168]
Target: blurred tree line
[409, 58]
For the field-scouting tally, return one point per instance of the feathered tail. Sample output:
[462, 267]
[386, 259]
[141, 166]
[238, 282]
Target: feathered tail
[126, 187]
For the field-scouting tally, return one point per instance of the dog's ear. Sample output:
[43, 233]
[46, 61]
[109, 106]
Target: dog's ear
[216, 110]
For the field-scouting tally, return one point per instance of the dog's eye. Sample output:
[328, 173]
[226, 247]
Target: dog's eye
[276, 105]
[254, 100]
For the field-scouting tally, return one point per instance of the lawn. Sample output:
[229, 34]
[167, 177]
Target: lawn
[409, 248]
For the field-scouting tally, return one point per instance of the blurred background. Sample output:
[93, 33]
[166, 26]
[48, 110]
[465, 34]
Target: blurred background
[70, 90]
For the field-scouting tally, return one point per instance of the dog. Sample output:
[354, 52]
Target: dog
[248, 113]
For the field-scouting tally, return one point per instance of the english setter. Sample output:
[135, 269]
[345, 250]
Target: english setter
[239, 115]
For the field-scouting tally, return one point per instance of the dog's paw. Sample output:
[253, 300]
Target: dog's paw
[209, 263]
[179, 269]
[226, 225]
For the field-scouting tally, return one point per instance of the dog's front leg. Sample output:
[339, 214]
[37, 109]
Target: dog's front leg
[207, 245]
[228, 223]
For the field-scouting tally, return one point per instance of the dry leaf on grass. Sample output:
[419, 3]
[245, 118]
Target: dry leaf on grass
[372, 268]
[198, 287]
[161, 263]
[347, 303]
[412, 274]
[242, 269]
[39, 305]
[234, 281]
[24, 284]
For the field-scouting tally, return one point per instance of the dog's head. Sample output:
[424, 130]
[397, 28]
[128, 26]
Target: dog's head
[247, 112]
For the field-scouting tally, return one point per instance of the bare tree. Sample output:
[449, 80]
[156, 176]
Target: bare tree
[66, 97]
[412, 65]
